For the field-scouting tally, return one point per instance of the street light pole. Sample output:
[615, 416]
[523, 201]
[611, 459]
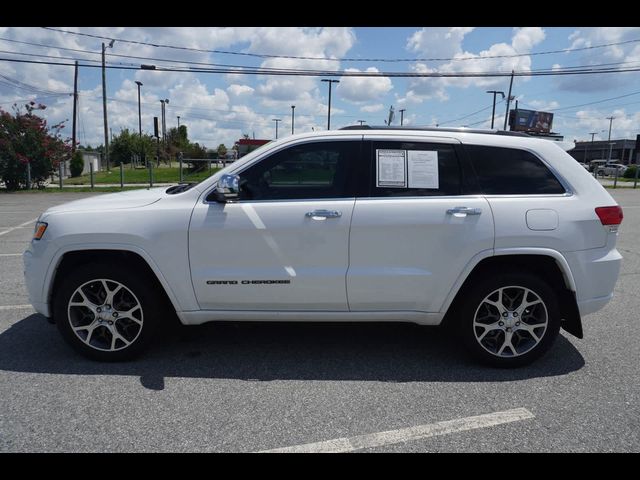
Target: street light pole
[493, 112]
[140, 122]
[361, 122]
[609, 137]
[402, 115]
[329, 110]
[293, 107]
[277, 120]
[178, 122]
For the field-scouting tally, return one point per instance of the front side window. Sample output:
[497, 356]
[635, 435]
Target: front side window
[510, 171]
[308, 171]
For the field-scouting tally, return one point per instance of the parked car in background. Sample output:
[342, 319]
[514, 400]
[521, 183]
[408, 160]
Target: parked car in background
[595, 164]
[584, 165]
[611, 168]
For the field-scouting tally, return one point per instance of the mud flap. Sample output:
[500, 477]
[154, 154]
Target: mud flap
[571, 321]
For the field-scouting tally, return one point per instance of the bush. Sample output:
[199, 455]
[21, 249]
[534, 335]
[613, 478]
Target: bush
[631, 171]
[77, 164]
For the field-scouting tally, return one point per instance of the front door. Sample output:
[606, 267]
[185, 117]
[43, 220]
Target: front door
[284, 244]
[417, 230]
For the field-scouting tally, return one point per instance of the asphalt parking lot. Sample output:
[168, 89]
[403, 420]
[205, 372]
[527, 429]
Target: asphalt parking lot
[252, 387]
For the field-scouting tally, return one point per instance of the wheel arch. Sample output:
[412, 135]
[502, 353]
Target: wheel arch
[548, 264]
[71, 258]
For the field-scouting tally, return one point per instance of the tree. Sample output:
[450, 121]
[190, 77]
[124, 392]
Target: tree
[27, 141]
[127, 145]
[77, 164]
[222, 150]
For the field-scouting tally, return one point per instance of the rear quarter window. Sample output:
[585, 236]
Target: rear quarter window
[511, 171]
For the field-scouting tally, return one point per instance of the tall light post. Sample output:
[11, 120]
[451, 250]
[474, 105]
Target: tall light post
[329, 111]
[293, 107]
[277, 120]
[493, 112]
[104, 104]
[140, 122]
[178, 122]
[593, 134]
[361, 121]
[609, 137]
[402, 110]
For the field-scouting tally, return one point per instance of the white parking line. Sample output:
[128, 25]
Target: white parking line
[10, 254]
[391, 437]
[19, 226]
[15, 307]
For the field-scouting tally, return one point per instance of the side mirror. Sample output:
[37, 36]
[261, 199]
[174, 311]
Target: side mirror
[227, 188]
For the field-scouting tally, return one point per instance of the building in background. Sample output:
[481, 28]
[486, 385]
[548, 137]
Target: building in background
[622, 151]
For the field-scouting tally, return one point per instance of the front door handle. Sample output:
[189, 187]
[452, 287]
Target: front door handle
[324, 214]
[463, 211]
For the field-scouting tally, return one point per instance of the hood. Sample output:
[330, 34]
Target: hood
[112, 201]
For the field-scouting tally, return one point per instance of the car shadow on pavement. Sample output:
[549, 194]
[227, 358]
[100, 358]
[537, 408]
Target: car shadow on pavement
[387, 352]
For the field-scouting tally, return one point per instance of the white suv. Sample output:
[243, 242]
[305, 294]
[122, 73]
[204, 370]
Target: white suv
[502, 236]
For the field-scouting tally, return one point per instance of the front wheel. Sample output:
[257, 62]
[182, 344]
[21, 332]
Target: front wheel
[106, 312]
[509, 320]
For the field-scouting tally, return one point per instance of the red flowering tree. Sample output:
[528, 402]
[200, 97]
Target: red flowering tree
[25, 139]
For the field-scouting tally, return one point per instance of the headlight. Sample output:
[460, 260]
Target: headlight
[41, 227]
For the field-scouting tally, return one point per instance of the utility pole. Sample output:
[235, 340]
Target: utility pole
[104, 104]
[506, 115]
[493, 112]
[361, 122]
[178, 122]
[402, 110]
[329, 110]
[277, 120]
[75, 108]
[293, 107]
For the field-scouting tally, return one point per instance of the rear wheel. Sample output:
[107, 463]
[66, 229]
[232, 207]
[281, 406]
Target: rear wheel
[106, 312]
[509, 320]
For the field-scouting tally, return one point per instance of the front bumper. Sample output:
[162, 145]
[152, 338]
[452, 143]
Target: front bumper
[34, 276]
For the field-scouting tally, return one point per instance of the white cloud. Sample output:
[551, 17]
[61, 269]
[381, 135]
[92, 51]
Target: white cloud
[238, 90]
[449, 40]
[363, 89]
[372, 108]
[587, 37]
[438, 42]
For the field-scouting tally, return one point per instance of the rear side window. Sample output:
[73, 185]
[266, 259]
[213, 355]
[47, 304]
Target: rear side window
[423, 169]
[509, 171]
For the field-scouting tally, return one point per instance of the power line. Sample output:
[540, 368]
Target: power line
[327, 73]
[208, 64]
[295, 57]
[471, 114]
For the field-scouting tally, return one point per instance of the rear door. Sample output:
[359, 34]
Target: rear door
[417, 229]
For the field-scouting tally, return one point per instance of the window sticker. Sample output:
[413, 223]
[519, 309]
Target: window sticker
[391, 168]
[423, 169]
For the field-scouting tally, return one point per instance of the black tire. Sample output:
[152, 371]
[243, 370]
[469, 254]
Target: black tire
[473, 302]
[150, 314]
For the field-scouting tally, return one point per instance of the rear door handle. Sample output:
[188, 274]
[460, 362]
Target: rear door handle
[324, 214]
[463, 211]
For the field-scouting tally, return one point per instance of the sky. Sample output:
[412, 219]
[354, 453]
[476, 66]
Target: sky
[220, 107]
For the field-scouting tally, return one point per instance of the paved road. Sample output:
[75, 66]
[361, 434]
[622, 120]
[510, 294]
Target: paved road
[251, 387]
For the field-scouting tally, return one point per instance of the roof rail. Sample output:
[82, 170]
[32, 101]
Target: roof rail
[437, 129]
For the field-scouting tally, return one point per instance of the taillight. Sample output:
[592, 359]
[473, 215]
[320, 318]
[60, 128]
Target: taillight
[610, 215]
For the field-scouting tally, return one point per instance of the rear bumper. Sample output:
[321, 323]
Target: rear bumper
[595, 272]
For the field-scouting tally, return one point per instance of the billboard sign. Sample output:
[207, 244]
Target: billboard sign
[530, 121]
